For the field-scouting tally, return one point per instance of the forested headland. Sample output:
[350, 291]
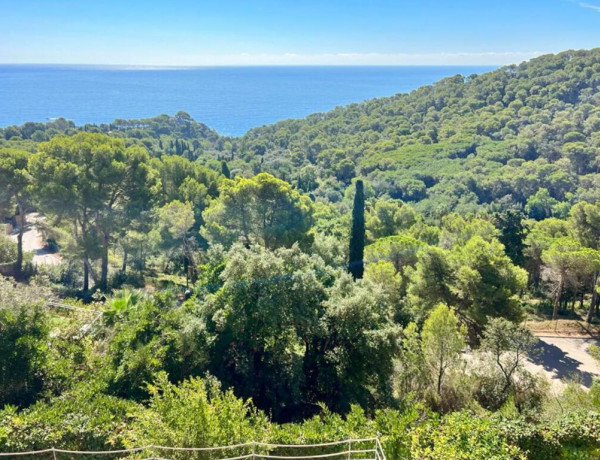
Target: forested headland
[363, 272]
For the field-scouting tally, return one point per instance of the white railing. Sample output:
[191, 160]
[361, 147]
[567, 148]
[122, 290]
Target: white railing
[349, 449]
[379, 452]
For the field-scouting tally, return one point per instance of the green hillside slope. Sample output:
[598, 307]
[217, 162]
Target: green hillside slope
[518, 135]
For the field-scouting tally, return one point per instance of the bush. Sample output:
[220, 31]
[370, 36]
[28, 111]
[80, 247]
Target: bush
[462, 435]
[572, 435]
[528, 392]
[8, 250]
[120, 279]
[84, 419]
[535, 443]
[196, 413]
[66, 276]
[577, 430]
[23, 343]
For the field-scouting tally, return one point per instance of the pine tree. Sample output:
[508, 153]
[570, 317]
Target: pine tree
[225, 170]
[357, 237]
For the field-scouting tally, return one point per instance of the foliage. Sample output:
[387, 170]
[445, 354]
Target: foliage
[15, 192]
[411, 373]
[387, 218]
[8, 250]
[487, 283]
[98, 183]
[23, 344]
[288, 337]
[263, 209]
[23, 354]
[400, 250]
[82, 419]
[196, 413]
[151, 337]
[442, 342]
[507, 345]
[357, 233]
[462, 435]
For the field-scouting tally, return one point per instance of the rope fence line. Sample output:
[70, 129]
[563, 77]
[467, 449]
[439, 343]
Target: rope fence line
[376, 451]
[267, 444]
[86, 328]
[65, 306]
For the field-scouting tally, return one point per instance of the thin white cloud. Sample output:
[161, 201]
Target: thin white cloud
[589, 6]
[125, 58]
[349, 58]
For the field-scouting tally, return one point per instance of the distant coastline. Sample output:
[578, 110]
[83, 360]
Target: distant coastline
[84, 66]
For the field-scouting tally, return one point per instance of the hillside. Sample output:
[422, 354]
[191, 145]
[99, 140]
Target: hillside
[525, 135]
[172, 135]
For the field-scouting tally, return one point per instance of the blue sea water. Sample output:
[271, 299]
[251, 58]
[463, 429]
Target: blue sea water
[230, 100]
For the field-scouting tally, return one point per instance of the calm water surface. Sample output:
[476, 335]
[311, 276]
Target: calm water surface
[228, 99]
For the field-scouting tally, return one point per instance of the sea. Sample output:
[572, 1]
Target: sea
[230, 100]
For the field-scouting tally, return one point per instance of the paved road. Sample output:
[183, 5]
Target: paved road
[562, 358]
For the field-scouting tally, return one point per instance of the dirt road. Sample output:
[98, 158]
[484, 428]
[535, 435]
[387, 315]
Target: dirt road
[561, 358]
[34, 242]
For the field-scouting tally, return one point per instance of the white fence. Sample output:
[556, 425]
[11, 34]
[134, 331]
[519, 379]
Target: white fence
[349, 449]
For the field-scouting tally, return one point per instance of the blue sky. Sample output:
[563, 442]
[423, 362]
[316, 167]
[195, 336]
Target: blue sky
[281, 32]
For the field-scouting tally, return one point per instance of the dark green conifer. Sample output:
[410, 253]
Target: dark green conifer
[357, 235]
[225, 169]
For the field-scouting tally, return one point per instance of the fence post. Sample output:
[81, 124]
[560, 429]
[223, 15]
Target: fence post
[379, 447]
[54, 453]
[349, 447]
[253, 449]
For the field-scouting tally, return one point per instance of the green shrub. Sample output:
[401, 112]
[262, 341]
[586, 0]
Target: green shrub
[196, 413]
[84, 419]
[8, 250]
[462, 435]
[23, 353]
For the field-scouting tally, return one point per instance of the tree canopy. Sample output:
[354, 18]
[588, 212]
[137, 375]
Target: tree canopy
[262, 209]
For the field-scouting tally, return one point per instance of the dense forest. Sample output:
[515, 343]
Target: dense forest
[362, 272]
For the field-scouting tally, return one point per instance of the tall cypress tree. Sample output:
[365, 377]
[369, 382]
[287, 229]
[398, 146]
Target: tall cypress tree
[225, 169]
[357, 237]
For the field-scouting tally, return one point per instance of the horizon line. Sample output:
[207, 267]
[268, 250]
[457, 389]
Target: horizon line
[445, 59]
[204, 66]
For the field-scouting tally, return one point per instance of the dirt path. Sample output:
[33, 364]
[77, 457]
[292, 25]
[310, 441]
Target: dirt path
[34, 242]
[562, 358]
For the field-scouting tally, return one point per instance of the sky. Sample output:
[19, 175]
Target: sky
[299, 32]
